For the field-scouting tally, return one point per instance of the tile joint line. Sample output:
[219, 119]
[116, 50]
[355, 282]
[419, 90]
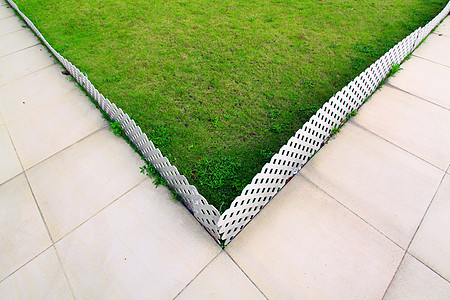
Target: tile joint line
[414, 235]
[429, 60]
[422, 98]
[245, 273]
[26, 263]
[347, 208]
[105, 207]
[397, 146]
[214, 258]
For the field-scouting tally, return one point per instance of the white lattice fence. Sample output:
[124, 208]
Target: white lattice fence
[292, 156]
[283, 165]
[206, 214]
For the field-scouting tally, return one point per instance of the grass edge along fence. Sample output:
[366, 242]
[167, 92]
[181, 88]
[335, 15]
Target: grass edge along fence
[283, 165]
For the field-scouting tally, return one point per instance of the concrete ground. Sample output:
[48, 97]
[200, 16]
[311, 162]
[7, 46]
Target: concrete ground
[368, 217]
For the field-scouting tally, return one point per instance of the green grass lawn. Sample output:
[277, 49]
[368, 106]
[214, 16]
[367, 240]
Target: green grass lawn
[219, 86]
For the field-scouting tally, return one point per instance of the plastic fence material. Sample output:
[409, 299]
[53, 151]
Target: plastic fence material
[283, 165]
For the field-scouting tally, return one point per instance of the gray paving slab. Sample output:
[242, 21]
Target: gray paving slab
[435, 48]
[221, 279]
[42, 278]
[381, 183]
[431, 245]
[10, 164]
[23, 234]
[425, 79]
[17, 41]
[78, 182]
[143, 246]
[418, 126]
[414, 280]
[305, 244]
[11, 24]
[24, 62]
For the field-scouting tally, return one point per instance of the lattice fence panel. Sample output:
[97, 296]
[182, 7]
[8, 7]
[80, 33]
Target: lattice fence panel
[206, 214]
[313, 135]
[283, 165]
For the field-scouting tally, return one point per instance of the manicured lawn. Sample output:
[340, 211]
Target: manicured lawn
[219, 86]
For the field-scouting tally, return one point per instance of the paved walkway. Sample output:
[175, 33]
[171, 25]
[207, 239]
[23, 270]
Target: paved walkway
[367, 217]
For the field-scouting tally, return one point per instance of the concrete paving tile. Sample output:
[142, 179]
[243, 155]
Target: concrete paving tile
[42, 278]
[6, 11]
[383, 184]
[304, 244]
[144, 246]
[435, 48]
[17, 101]
[414, 280]
[48, 129]
[418, 126]
[17, 41]
[11, 24]
[424, 79]
[24, 62]
[78, 182]
[444, 28]
[431, 245]
[221, 279]
[23, 234]
[10, 164]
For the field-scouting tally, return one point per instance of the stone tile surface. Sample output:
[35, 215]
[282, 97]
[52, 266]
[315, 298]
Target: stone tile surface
[17, 101]
[444, 28]
[6, 11]
[424, 79]
[418, 126]
[11, 24]
[22, 231]
[383, 184]
[78, 182]
[435, 48]
[24, 62]
[305, 245]
[17, 41]
[69, 118]
[431, 245]
[221, 279]
[42, 278]
[10, 164]
[143, 246]
[414, 280]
